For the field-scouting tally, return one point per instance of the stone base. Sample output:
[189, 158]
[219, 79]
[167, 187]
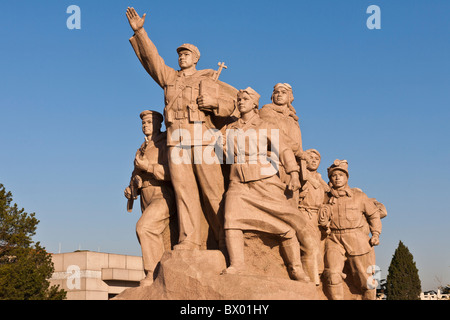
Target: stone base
[195, 275]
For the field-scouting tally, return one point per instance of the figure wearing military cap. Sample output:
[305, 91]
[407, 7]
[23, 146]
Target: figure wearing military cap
[151, 181]
[282, 114]
[191, 48]
[255, 199]
[312, 196]
[350, 217]
[193, 99]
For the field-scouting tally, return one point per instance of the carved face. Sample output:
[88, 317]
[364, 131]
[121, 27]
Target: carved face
[150, 125]
[312, 161]
[338, 178]
[280, 96]
[186, 59]
[245, 103]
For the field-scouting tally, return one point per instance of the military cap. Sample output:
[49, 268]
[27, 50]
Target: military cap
[313, 151]
[190, 47]
[338, 165]
[152, 113]
[286, 86]
[252, 93]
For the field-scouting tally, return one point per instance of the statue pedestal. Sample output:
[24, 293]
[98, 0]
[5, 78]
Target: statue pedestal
[195, 275]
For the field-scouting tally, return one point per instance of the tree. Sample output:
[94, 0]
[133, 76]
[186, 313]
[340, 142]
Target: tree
[25, 266]
[403, 282]
[445, 289]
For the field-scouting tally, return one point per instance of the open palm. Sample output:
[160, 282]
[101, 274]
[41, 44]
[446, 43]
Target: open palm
[136, 22]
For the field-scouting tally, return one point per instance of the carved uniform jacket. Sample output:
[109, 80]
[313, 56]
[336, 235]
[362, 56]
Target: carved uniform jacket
[284, 119]
[316, 188]
[156, 198]
[255, 199]
[156, 152]
[252, 156]
[352, 215]
[180, 95]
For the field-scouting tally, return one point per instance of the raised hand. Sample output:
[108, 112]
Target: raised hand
[136, 22]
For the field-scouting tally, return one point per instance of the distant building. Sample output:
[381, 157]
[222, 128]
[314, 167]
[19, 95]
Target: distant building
[433, 295]
[88, 275]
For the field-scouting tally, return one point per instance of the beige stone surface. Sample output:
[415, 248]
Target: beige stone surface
[259, 219]
[116, 261]
[150, 181]
[353, 223]
[133, 262]
[192, 97]
[266, 277]
[196, 275]
[87, 275]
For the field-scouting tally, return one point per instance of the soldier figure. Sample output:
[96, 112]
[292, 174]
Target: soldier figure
[350, 216]
[255, 199]
[282, 115]
[151, 180]
[312, 196]
[194, 102]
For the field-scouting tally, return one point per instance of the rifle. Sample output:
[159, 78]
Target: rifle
[135, 185]
[136, 180]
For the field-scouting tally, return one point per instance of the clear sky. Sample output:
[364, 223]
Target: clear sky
[70, 103]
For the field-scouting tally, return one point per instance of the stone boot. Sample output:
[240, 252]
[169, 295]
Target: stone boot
[148, 280]
[336, 291]
[235, 248]
[312, 269]
[291, 251]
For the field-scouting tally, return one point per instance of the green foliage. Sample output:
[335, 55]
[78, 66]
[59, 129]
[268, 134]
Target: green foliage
[24, 268]
[403, 282]
[445, 290]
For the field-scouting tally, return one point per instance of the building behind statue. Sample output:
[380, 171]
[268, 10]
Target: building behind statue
[88, 275]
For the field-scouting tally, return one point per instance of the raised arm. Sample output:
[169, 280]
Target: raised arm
[146, 51]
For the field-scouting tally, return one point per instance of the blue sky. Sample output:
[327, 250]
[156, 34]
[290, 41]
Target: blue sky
[70, 103]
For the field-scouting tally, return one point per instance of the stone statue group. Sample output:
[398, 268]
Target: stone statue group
[268, 184]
